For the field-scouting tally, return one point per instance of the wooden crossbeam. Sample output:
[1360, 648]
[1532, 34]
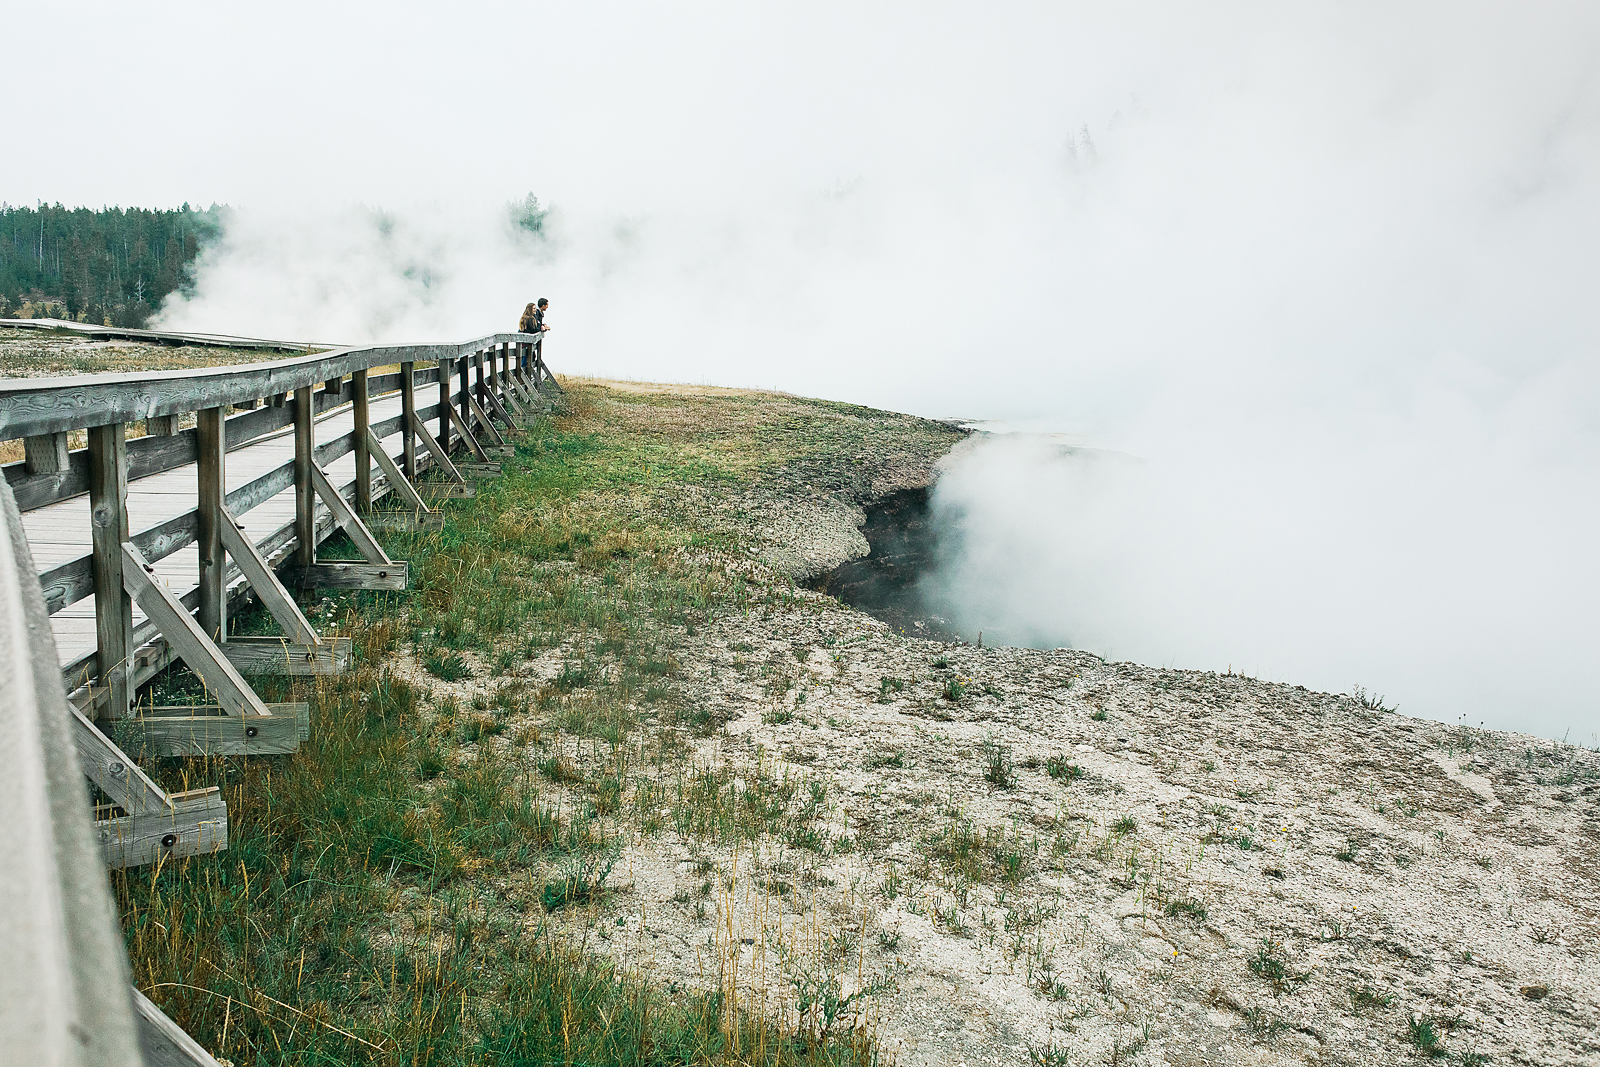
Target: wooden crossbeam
[437, 491]
[397, 480]
[405, 521]
[339, 574]
[208, 729]
[479, 470]
[274, 597]
[196, 823]
[185, 636]
[346, 517]
[277, 655]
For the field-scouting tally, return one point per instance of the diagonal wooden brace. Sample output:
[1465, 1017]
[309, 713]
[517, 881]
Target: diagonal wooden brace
[186, 638]
[435, 449]
[346, 517]
[499, 408]
[482, 419]
[466, 435]
[274, 597]
[108, 767]
[391, 471]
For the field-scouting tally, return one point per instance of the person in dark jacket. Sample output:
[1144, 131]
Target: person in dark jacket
[532, 320]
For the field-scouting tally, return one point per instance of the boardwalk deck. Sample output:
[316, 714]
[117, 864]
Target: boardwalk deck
[59, 532]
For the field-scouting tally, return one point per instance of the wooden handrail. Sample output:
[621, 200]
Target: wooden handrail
[31, 407]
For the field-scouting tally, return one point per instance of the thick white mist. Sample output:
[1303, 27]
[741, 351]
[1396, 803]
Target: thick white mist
[1328, 273]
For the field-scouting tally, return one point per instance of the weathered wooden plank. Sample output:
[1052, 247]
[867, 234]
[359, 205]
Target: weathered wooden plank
[207, 729]
[209, 467]
[162, 1042]
[440, 456]
[274, 597]
[397, 480]
[466, 433]
[186, 637]
[444, 407]
[479, 470]
[408, 414]
[363, 423]
[406, 521]
[346, 517]
[434, 492]
[194, 826]
[344, 575]
[108, 522]
[65, 971]
[108, 767]
[45, 453]
[304, 500]
[273, 655]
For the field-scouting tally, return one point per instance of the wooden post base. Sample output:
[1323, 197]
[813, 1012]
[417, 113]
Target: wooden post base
[276, 655]
[206, 730]
[197, 823]
[433, 492]
[501, 451]
[404, 521]
[479, 470]
[342, 575]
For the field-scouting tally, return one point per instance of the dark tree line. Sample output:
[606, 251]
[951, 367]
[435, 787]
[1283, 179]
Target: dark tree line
[113, 266]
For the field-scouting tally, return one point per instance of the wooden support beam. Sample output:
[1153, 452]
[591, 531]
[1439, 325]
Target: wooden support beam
[274, 597]
[408, 415]
[397, 480]
[500, 409]
[108, 767]
[444, 405]
[186, 637]
[464, 393]
[479, 470]
[466, 433]
[305, 517]
[358, 381]
[197, 823]
[162, 1042]
[346, 517]
[434, 492]
[435, 448]
[210, 450]
[209, 730]
[347, 575]
[491, 433]
[277, 655]
[479, 378]
[406, 521]
[108, 529]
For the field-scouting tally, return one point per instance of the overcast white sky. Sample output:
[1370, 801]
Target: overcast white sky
[1330, 268]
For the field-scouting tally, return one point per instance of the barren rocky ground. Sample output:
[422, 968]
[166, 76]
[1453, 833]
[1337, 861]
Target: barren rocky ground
[1001, 855]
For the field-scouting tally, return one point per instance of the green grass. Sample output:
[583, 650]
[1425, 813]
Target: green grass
[382, 899]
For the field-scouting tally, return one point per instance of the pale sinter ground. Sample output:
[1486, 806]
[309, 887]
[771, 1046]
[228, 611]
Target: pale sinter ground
[1037, 855]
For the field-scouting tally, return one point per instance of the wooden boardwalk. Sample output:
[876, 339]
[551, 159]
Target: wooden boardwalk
[59, 533]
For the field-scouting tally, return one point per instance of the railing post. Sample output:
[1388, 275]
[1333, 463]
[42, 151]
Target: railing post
[408, 411]
[444, 403]
[305, 522]
[210, 452]
[358, 382]
[466, 394]
[108, 522]
[483, 389]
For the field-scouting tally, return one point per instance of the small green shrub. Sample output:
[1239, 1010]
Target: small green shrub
[446, 666]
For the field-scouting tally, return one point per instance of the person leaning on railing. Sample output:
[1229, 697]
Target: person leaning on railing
[532, 320]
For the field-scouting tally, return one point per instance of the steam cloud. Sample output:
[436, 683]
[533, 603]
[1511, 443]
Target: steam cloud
[1321, 285]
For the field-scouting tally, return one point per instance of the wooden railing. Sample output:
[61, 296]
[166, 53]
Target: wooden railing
[64, 995]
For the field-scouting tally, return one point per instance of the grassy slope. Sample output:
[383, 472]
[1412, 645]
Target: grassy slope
[374, 904]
